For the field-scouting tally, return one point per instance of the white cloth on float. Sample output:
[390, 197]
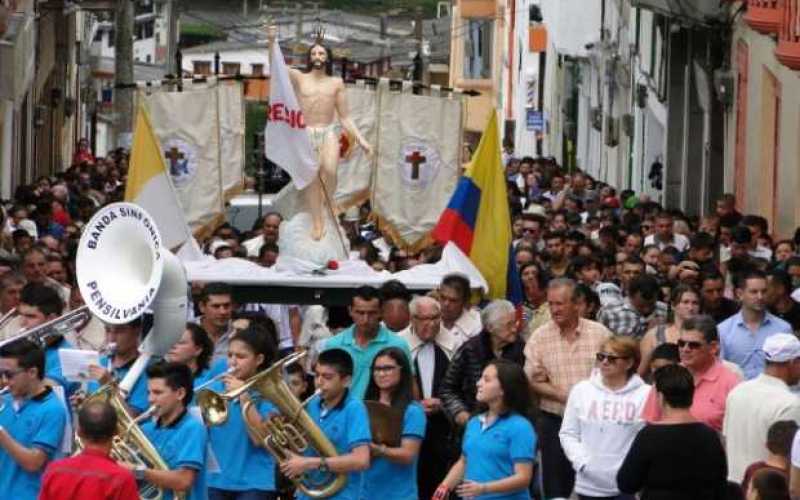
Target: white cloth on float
[351, 273]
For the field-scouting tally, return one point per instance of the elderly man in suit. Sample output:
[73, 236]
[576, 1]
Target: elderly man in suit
[432, 347]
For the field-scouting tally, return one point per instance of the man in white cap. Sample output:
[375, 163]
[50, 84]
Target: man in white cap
[758, 403]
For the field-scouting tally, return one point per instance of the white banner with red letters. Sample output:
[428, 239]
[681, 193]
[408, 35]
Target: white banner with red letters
[287, 143]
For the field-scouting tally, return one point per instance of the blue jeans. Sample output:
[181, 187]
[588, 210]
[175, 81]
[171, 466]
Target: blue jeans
[217, 494]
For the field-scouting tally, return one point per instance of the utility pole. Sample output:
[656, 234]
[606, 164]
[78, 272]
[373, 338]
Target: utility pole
[123, 66]
[244, 8]
[173, 37]
[420, 49]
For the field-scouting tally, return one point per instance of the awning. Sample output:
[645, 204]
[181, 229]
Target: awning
[698, 11]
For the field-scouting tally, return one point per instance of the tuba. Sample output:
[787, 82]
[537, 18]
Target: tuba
[291, 431]
[130, 445]
[124, 270]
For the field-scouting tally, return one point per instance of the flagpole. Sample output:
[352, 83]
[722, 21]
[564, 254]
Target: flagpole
[331, 213]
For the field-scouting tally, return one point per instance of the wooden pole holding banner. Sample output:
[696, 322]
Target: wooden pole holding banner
[334, 220]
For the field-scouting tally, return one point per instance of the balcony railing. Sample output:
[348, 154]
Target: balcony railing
[764, 16]
[788, 50]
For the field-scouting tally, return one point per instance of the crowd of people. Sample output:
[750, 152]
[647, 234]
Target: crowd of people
[654, 354]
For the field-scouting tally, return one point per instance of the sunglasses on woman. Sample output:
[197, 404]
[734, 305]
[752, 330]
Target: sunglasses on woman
[602, 356]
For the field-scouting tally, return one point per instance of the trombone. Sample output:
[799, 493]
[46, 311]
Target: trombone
[46, 332]
[3, 392]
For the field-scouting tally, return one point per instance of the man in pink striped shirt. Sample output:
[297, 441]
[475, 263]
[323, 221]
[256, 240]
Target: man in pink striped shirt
[699, 347]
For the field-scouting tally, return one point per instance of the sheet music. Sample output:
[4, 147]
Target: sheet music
[75, 363]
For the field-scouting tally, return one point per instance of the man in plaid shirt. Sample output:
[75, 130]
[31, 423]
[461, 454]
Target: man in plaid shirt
[640, 311]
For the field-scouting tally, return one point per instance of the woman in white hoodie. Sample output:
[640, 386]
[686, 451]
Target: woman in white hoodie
[602, 417]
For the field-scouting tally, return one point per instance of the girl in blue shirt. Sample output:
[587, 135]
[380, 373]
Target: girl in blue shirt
[393, 469]
[194, 349]
[247, 470]
[499, 444]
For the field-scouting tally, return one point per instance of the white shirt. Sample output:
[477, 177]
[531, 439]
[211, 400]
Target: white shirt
[425, 354]
[751, 408]
[679, 241]
[466, 326]
[253, 245]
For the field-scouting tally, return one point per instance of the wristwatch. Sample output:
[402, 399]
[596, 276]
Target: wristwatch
[138, 472]
[323, 465]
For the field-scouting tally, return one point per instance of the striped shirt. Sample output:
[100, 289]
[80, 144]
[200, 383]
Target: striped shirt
[549, 357]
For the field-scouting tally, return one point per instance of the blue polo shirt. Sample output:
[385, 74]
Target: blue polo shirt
[490, 453]
[388, 480]
[137, 399]
[346, 425]
[243, 465]
[52, 367]
[37, 423]
[182, 445]
[738, 344]
[363, 356]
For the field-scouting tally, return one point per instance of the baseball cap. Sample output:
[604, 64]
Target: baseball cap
[781, 348]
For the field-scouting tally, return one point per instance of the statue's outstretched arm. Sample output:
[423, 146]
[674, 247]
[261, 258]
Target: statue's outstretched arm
[343, 111]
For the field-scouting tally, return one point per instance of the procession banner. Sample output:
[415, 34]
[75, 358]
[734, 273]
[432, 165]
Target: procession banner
[354, 175]
[231, 132]
[287, 143]
[418, 166]
[201, 131]
[149, 184]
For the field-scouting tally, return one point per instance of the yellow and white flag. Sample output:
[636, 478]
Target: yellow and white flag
[149, 184]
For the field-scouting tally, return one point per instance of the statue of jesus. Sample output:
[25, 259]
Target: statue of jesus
[321, 97]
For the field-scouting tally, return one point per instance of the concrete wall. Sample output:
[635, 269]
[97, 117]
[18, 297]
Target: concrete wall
[761, 60]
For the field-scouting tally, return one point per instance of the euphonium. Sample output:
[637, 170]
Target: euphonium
[292, 431]
[130, 445]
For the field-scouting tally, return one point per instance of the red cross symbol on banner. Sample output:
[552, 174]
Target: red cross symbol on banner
[415, 159]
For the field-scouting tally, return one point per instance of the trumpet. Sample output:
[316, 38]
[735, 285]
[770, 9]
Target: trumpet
[43, 334]
[292, 431]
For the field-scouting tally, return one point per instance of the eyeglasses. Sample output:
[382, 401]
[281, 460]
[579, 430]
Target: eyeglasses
[529, 230]
[384, 368]
[691, 344]
[9, 374]
[603, 356]
[427, 318]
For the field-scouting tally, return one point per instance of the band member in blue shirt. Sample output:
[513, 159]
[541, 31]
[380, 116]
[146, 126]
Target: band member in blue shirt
[393, 471]
[126, 338]
[247, 470]
[499, 444]
[343, 419]
[194, 349]
[38, 305]
[179, 438]
[31, 420]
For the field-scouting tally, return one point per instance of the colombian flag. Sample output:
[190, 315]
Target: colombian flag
[477, 219]
[149, 184]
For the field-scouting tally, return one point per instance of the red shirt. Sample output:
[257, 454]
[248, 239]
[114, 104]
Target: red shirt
[92, 475]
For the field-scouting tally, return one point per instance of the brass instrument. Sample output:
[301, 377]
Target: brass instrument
[43, 334]
[8, 317]
[130, 445]
[290, 432]
[3, 392]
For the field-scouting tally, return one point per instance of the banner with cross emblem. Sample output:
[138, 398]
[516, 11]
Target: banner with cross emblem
[201, 131]
[418, 163]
